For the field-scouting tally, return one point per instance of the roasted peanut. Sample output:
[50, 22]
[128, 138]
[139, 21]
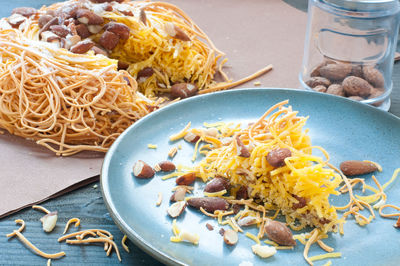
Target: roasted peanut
[49, 36]
[68, 11]
[373, 76]
[357, 71]
[24, 11]
[276, 157]
[335, 71]
[191, 137]
[43, 20]
[354, 167]
[122, 65]
[71, 41]
[183, 90]
[94, 29]
[88, 17]
[143, 170]
[46, 27]
[98, 50]
[279, 232]
[176, 209]
[16, 19]
[356, 98]
[335, 89]
[118, 28]
[247, 221]
[167, 166]
[175, 32]
[355, 86]
[108, 7]
[300, 204]
[209, 204]
[145, 73]
[242, 193]
[230, 237]
[82, 47]
[143, 17]
[315, 81]
[186, 179]
[217, 184]
[59, 30]
[179, 194]
[109, 40]
[320, 88]
[242, 150]
[82, 30]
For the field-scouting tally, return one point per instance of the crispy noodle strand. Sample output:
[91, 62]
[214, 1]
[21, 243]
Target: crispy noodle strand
[30, 245]
[104, 236]
[77, 222]
[43, 209]
[124, 244]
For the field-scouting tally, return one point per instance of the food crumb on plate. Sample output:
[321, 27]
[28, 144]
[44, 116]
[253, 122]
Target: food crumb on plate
[172, 152]
[151, 146]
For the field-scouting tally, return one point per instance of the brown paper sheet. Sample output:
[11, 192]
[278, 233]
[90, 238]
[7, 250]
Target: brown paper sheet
[252, 33]
[30, 173]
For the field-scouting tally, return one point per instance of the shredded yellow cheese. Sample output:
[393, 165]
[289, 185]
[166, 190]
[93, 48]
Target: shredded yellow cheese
[325, 256]
[196, 147]
[152, 146]
[180, 235]
[253, 237]
[181, 133]
[174, 174]
[175, 228]
[215, 194]
[159, 199]
[301, 238]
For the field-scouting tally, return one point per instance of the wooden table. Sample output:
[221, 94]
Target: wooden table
[87, 203]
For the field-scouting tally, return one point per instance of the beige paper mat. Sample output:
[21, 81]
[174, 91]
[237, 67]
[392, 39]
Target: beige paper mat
[252, 33]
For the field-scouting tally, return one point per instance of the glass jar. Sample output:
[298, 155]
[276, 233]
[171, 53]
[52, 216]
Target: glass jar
[349, 49]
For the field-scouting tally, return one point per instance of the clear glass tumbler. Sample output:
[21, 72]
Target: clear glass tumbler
[349, 49]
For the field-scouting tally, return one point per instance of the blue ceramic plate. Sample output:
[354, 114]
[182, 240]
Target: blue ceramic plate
[346, 129]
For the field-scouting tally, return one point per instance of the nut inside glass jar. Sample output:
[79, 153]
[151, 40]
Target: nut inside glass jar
[354, 81]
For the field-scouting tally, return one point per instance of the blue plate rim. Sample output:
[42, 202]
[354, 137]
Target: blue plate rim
[131, 233]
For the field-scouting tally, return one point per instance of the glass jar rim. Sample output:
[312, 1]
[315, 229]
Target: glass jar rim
[358, 8]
